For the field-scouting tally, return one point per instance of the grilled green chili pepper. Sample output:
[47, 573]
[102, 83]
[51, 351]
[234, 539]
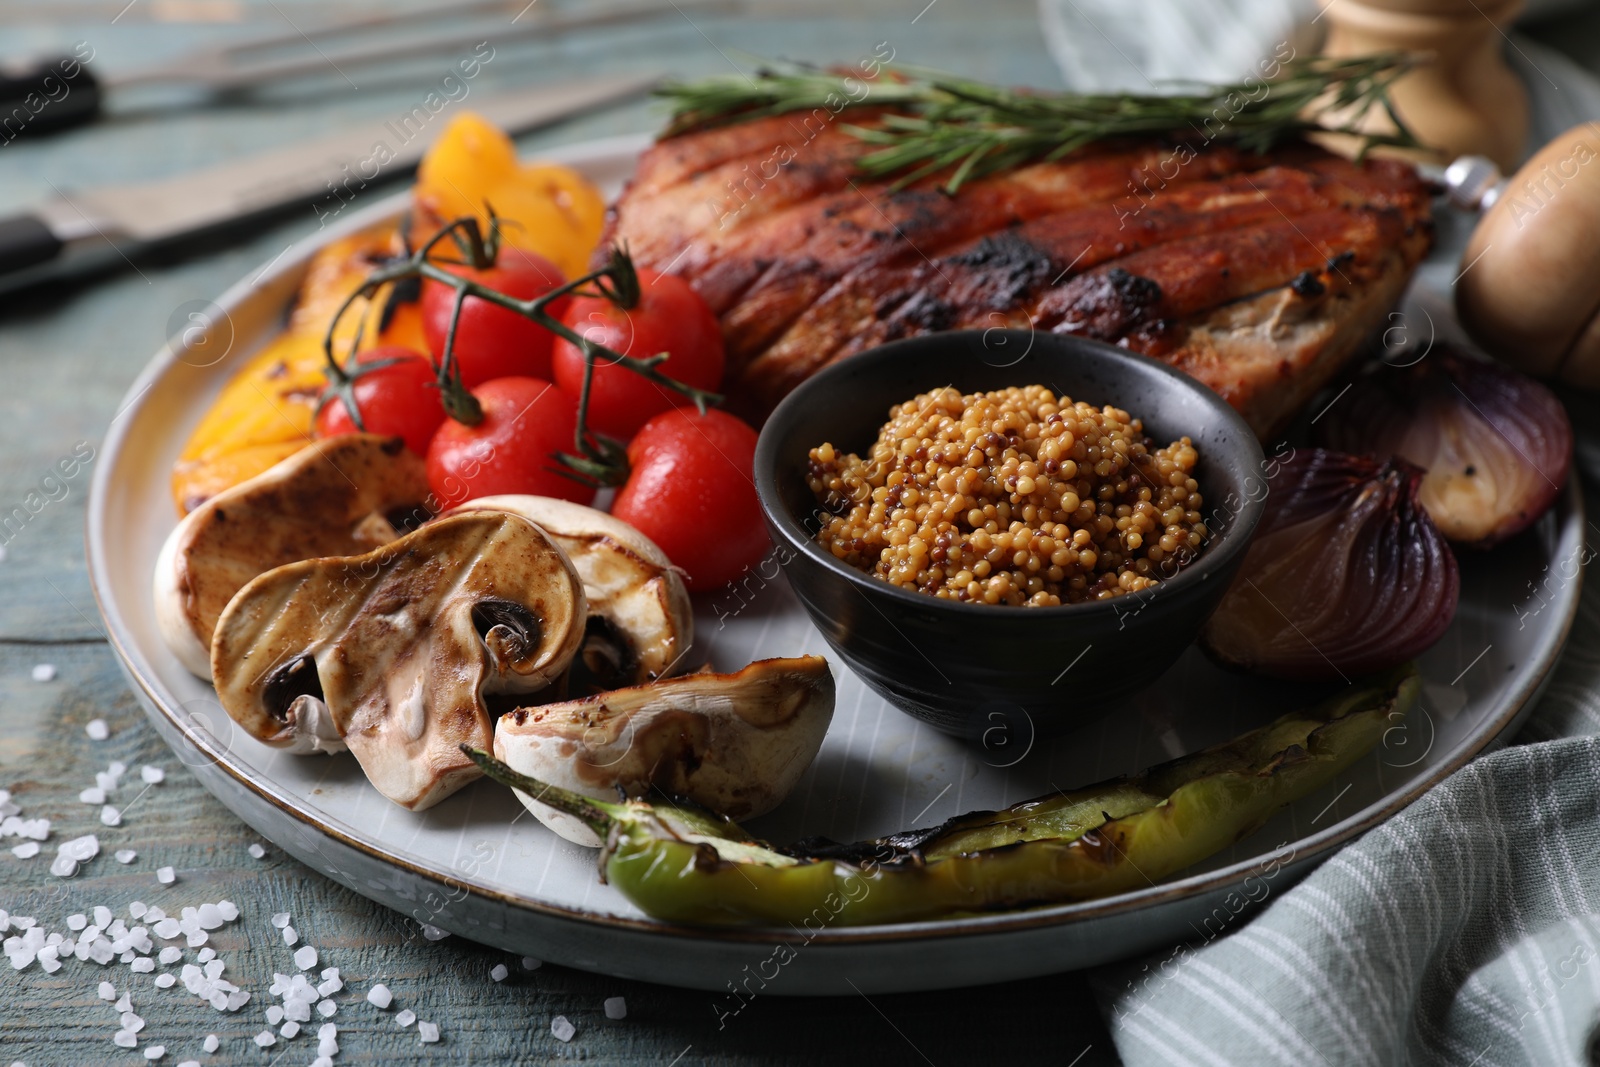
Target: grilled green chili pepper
[681, 864]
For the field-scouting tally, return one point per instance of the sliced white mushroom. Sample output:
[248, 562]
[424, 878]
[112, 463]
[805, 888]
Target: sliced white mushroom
[735, 743]
[641, 623]
[332, 498]
[392, 652]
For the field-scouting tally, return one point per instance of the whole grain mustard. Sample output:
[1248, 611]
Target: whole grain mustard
[1011, 497]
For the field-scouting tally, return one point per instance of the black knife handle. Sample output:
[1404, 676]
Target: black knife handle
[40, 96]
[25, 241]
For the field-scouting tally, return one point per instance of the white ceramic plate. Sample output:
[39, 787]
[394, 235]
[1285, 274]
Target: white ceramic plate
[475, 866]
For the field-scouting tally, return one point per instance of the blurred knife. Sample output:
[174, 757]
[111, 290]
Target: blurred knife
[83, 229]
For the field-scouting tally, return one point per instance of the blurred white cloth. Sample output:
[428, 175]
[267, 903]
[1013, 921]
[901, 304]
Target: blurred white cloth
[1137, 45]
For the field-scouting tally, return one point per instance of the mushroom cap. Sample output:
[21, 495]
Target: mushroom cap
[396, 648]
[331, 498]
[637, 599]
[735, 743]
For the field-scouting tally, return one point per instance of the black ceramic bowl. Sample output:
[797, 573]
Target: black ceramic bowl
[971, 669]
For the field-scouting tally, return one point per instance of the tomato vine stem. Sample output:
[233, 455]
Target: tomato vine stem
[597, 460]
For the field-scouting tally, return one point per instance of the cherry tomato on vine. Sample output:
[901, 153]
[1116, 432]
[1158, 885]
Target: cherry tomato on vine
[401, 399]
[670, 317]
[525, 422]
[495, 342]
[690, 491]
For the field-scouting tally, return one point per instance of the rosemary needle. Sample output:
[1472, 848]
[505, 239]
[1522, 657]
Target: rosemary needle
[936, 121]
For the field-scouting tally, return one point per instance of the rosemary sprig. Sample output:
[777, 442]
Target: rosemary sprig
[937, 121]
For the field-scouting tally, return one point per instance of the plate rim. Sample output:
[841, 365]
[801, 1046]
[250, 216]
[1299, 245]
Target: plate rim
[1314, 847]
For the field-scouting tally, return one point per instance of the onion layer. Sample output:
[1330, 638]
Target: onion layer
[1496, 444]
[1347, 574]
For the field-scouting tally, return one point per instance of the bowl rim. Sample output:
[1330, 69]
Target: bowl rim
[1219, 550]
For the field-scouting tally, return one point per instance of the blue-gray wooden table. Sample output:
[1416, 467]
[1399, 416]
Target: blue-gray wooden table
[68, 354]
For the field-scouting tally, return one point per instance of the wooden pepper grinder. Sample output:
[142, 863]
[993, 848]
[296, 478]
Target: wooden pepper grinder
[1466, 101]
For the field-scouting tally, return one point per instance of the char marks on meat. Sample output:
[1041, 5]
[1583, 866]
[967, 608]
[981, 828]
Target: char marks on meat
[1261, 275]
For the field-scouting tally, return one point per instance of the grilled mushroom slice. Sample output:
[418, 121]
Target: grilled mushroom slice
[640, 620]
[735, 743]
[391, 652]
[332, 498]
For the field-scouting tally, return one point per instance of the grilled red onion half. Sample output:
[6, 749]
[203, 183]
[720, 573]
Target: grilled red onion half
[1347, 574]
[1496, 444]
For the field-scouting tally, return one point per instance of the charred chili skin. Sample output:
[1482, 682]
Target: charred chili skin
[681, 865]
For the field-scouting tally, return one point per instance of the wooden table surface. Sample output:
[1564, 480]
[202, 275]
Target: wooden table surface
[68, 355]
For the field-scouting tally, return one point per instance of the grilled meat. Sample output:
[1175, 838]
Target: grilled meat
[1258, 274]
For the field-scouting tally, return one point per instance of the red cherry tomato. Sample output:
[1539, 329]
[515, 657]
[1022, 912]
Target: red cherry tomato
[401, 399]
[525, 422]
[691, 492]
[494, 342]
[670, 317]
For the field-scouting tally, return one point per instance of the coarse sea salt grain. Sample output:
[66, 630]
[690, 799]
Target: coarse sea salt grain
[616, 1008]
[305, 957]
[171, 954]
[44, 672]
[155, 1052]
[257, 851]
[427, 1032]
[290, 1029]
[166, 875]
[405, 1018]
[281, 919]
[562, 1028]
[499, 972]
[26, 851]
[108, 991]
[229, 910]
[379, 996]
[139, 909]
[211, 1043]
[165, 981]
[110, 816]
[433, 933]
[265, 1038]
[274, 1015]
[97, 730]
[82, 848]
[143, 965]
[126, 855]
[125, 1003]
[123, 1039]
[63, 866]
[93, 795]
[206, 955]
[152, 775]
[290, 936]
[327, 1008]
[531, 964]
